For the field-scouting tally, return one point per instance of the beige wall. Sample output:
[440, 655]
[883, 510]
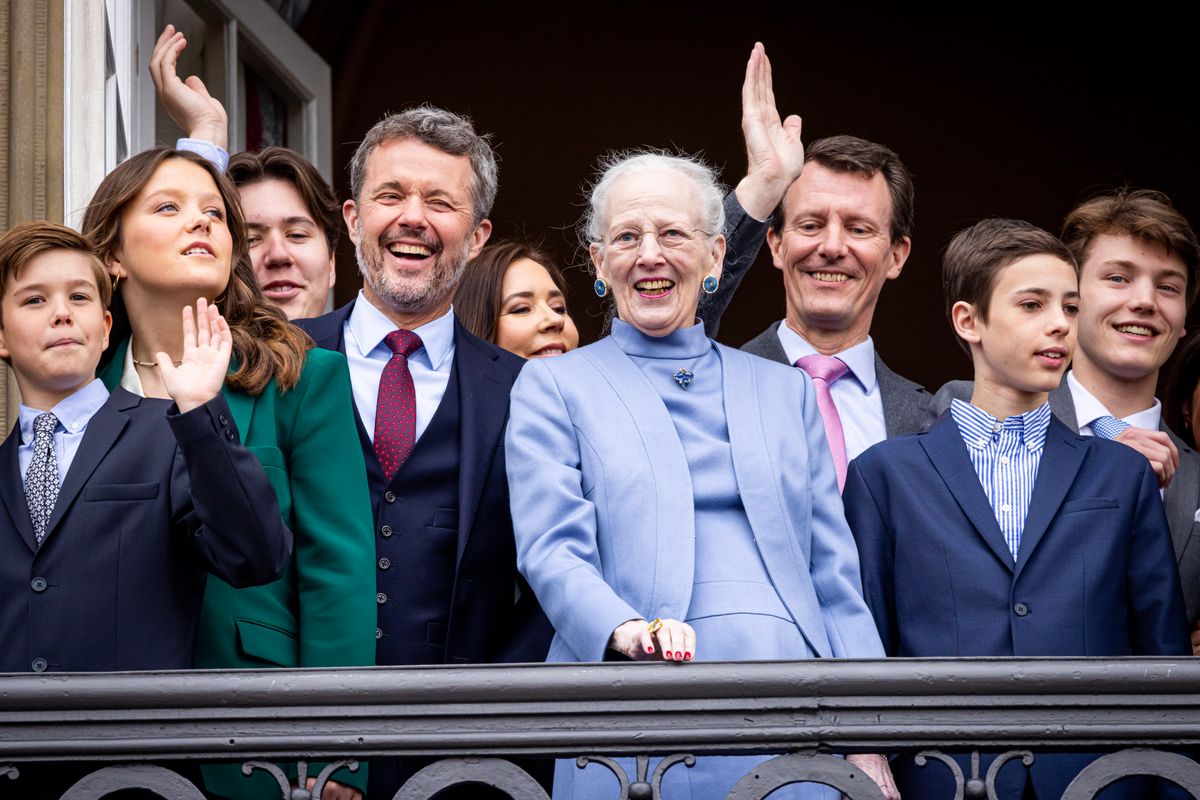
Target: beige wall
[31, 128]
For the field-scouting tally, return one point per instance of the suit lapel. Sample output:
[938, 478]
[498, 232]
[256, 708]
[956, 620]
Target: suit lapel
[1182, 496]
[1062, 404]
[948, 453]
[674, 511]
[483, 387]
[12, 490]
[902, 413]
[767, 345]
[328, 331]
[242, 405]
[102, 431]
[1061, 459]
[759, 490]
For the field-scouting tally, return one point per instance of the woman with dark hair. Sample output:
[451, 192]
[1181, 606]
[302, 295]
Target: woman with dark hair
[1182, 402]
[169, 228]
[514, 296]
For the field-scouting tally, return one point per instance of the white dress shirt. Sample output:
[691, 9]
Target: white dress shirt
[856, 394]
[1088, 408]
[367, 355]
[74, 412]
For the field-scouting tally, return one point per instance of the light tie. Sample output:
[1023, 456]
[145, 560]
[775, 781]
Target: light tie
[824, 370]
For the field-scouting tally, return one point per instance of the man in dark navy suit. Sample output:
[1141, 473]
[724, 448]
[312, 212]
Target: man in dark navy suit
[432, 403]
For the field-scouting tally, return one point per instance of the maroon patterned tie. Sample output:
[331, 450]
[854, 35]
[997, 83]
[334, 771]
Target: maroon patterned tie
[396, 409]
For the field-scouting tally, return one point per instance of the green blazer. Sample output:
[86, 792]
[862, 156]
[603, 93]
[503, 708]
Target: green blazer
[322, 612]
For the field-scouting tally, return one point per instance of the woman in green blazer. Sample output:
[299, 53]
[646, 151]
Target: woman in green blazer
[170, 229]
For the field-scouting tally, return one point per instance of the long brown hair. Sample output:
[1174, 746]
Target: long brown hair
[265, 344]
[477, 299]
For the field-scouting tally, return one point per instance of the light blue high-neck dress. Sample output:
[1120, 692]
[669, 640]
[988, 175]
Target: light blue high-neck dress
[735, 609]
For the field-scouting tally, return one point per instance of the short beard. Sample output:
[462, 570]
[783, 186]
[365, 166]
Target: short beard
[409, 300]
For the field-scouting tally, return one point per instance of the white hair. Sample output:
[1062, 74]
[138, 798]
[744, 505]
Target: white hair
[615, 166]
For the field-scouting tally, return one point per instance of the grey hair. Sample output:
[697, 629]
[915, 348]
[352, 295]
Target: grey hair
[616, 165]
[449, 132]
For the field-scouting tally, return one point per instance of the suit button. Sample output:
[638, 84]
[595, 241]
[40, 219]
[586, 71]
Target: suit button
[379, 633]
[39, 665]
[229, 433]
[386, 530]
[221, 418]
[381, 598]
[38, 584]
[384, 563]
[1021, 609]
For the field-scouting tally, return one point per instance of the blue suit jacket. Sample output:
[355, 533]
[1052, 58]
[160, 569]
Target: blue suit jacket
[486, 624]
[1095, 574]
[603, 509]
[117, 581]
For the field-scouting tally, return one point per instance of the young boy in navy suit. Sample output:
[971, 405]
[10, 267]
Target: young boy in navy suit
[1000, 532]
[113, 507]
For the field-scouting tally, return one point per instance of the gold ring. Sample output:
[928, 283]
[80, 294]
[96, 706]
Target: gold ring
[655, 626]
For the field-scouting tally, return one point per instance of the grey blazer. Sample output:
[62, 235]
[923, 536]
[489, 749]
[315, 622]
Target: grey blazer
[1180, 499]
[905, 404]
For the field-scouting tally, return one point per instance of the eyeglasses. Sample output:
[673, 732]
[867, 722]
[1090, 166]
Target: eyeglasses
[670, 238]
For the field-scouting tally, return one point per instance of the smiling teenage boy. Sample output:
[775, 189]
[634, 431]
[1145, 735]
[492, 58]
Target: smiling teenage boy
[1000, 532]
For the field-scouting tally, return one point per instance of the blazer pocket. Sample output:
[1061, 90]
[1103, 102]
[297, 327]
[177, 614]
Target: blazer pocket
[98, 492]
[268, 455]
[267, 642]
[445, 518]
[1089, 504]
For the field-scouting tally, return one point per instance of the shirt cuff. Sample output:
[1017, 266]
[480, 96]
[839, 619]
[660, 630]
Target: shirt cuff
[217, 155]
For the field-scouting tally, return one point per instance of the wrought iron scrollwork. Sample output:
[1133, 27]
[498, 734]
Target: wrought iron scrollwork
[975, 787]
[494, 772]
[806, 768]
[1134, 761]
[160, 780]
[640, 789]
[300, 791]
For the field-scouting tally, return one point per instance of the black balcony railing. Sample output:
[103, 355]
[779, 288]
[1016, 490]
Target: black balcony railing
[475, 718]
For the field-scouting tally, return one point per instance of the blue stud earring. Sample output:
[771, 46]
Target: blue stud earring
[601, 287]
[710, 284]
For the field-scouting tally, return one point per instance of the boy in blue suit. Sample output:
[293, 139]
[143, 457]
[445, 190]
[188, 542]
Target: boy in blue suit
[1000, 532]
[113, 507]
[109, 526]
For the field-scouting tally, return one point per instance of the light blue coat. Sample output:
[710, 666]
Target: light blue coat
[603, 512]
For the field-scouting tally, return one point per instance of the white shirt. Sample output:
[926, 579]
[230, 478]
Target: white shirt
[1088, 409]
[856, 394]
[367, 355]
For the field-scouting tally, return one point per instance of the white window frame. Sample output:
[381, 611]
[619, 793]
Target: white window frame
[109, 103]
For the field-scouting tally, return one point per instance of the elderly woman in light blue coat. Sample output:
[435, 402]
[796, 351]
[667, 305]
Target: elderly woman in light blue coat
[658, 476]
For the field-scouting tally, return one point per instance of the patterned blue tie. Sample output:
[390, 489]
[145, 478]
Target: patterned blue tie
[1109, 427]
[41, 479]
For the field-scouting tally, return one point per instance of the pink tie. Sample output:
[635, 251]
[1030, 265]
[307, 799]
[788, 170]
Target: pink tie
[824, 370]
[396, 409]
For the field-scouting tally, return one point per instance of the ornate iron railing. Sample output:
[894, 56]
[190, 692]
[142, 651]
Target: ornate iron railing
[476, 718]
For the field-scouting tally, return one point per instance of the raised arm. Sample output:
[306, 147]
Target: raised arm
[221, 495]
[199, 114]
[775, 157]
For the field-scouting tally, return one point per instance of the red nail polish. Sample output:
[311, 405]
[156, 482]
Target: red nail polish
[687, 656]
[649, 648]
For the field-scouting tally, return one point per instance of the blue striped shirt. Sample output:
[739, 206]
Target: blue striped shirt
[1006, 455]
